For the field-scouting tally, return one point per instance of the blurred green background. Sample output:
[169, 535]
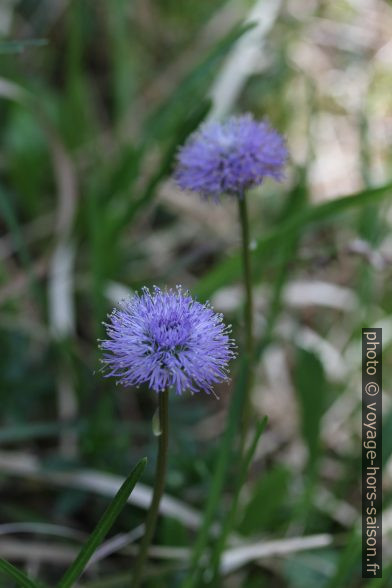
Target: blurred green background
[95, 98]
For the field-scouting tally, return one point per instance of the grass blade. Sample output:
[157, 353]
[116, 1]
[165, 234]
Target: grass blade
[103, 527]
[12, 572]
[309, 374]
[193, 87]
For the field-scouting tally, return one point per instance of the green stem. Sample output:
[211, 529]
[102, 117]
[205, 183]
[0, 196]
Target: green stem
[159, 485]
[249, 340]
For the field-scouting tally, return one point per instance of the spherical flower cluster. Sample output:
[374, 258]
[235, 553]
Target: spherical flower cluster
[230, 157]
[164, 339]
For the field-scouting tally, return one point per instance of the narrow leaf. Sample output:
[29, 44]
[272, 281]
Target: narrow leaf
[103, 527]
[311, 389]
[12, 572]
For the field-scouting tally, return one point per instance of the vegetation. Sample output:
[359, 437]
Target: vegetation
[95, 100]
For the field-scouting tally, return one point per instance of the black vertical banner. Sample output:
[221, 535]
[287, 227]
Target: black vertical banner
[371, 453]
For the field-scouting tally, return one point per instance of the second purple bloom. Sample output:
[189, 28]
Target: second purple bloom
[230, 157]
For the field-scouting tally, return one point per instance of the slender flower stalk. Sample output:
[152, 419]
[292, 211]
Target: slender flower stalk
[159, 485]
[248, 316]
[230, 157]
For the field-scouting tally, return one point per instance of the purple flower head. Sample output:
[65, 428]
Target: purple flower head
[165, 338]
[230, 157]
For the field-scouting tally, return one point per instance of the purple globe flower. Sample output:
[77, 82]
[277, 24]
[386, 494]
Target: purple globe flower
[230, 157]
[164, 339]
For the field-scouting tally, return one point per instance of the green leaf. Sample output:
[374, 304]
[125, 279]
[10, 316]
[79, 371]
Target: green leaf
[13, 572]
[103, 527]
[192, 88]
[311, 389]
[188, 124]
[268, 495]
[230, 269]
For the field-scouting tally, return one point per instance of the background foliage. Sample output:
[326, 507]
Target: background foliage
[95, 98]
